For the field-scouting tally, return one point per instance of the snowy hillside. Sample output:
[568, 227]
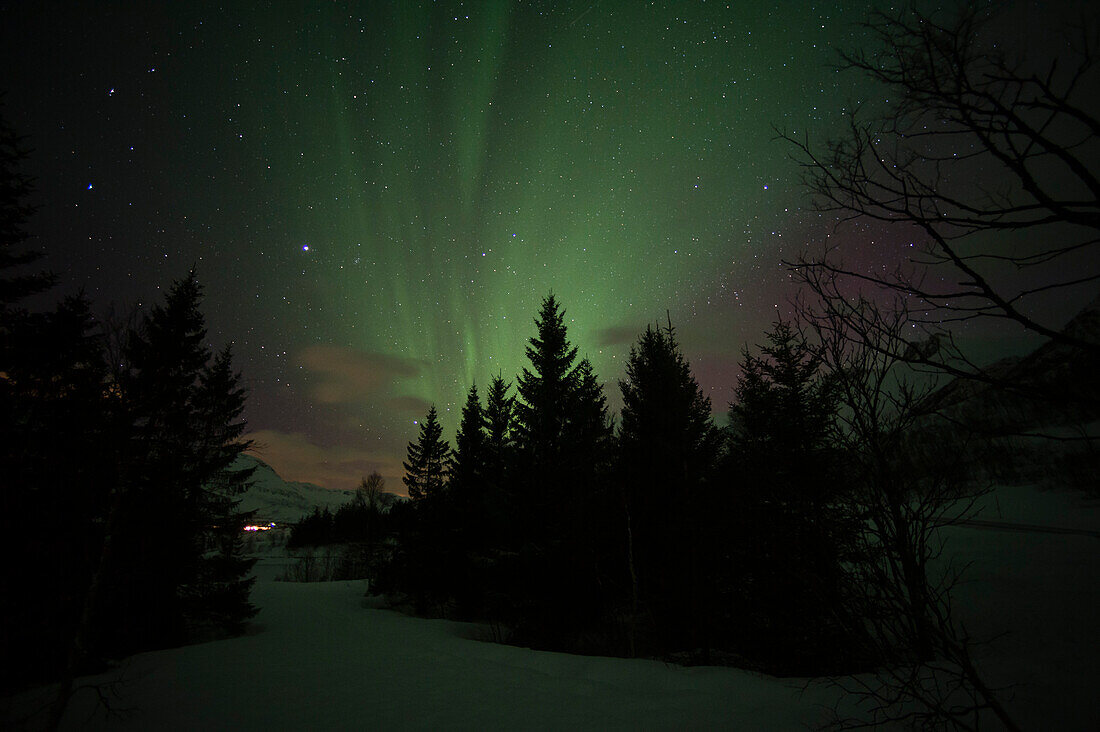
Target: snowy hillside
[280, 501]
[1054, 368]
[1056, 392]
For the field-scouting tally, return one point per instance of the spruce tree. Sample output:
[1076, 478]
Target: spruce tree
[471, 447]
[499, 419]
[57, 465]
[159, 542]
[668, 447]
[466, 523]
[562, 425]
[31, 352]
[15, 211]
[562, 437]
[220, 595]
[428, 464]
[792, 531]
[782, 420]
[425, 559]
[546, 393]
[499, 501]
[586, 519]
[184, 406]
[587, 453]
[590, 424]
[667, 431]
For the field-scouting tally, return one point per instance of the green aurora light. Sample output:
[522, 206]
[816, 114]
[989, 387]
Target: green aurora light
[378, 197]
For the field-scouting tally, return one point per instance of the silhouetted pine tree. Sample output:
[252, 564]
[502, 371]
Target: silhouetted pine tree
[782, 420]
[588, 509]
[499, 449]
[423, 565]
[497, 532]
[792, 531]
[184, 414]
[590, 444]
[31, 356]
[562, 437]
[469, 462]
[466, 507]
[219, 597]
[57, 461]
[499, 409]
[428, 464]
[15, 211]
[159, 545]
[545, 396]
[57, 448]
[668, 447]
[591, 431]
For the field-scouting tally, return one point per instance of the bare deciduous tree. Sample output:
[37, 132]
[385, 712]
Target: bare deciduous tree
[988, 160]
[904, 493]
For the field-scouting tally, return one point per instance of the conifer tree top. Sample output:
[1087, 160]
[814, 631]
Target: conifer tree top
[662, 401]
[549, 351]
[428, 463]
[15, 212]
[546, 388]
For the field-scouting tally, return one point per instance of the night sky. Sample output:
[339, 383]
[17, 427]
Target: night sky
[377, 197]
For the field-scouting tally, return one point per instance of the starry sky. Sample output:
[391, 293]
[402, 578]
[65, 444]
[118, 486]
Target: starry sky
[377, 196]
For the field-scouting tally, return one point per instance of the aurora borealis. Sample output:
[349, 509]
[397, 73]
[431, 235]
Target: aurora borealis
[376, 196]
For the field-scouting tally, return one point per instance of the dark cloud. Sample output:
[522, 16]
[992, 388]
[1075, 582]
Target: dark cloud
[617, 335]
[296, 457]
[339, 374]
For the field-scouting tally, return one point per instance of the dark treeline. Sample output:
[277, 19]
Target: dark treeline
[663, 536]
[359, 521]
[120, 530]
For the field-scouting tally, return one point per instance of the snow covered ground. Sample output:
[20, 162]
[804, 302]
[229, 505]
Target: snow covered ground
[318, 658]
[1042, 590]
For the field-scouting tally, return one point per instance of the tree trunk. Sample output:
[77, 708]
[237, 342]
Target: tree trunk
[78, 648]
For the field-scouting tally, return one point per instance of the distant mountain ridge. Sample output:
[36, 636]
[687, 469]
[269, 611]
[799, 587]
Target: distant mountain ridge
[281, 501]
[1069, 376]
[1055, 391]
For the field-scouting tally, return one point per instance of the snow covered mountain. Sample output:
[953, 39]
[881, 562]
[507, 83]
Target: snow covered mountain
[1066, 374]
[281, 501]
[1056, 392]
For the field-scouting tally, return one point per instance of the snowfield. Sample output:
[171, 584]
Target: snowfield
[318, 657]
[1042, 592]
